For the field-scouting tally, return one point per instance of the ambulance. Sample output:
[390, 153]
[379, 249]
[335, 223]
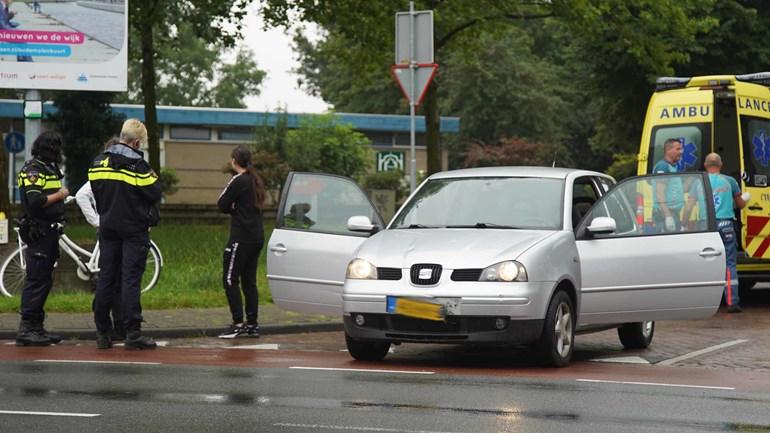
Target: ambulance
[730, 115]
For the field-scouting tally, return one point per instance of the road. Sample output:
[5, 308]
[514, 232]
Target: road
[177, 389]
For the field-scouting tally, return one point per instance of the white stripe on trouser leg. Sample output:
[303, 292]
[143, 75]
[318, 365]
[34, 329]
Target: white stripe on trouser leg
[230, 266]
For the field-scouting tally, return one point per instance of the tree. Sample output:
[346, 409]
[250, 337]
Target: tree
[514, 151]
[192, 71]
[367, 29]
[155, 21]
[85, 121]
[322, 144]
[611, 52]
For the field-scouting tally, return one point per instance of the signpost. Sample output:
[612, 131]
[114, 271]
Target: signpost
[414, 68]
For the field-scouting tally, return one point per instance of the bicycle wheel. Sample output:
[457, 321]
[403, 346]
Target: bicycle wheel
[12, 274]
[152, 269]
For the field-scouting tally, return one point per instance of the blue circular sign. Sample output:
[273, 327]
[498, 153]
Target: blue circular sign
[14, 142]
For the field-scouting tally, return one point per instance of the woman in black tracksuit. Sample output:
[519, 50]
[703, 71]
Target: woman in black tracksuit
[242, 199]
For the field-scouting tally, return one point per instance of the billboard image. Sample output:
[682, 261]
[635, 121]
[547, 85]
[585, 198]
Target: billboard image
[70, 45]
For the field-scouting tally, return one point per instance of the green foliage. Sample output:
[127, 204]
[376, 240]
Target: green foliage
[168, 181]
[192, 71]
[391, 180]
[623, 165]
[86, 122]
[322, 144]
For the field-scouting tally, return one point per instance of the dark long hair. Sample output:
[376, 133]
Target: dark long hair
[48, 147]
[242, 157]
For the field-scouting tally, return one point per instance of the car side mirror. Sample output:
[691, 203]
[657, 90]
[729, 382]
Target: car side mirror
[361, 223]
[602, 226]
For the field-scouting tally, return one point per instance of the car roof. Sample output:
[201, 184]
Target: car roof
[523, 171]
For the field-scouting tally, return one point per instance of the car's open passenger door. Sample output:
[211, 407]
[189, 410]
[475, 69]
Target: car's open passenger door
[310, 247]
[633, 271]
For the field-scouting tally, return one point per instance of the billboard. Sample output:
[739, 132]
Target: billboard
[70, 45]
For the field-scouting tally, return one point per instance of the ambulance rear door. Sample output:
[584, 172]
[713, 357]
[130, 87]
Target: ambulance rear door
[753, 106]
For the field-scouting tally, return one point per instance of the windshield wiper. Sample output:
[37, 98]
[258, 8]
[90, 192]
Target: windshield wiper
[481, 225]
[418, 226]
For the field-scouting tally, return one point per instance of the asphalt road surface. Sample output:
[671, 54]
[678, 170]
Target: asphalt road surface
[79, 389]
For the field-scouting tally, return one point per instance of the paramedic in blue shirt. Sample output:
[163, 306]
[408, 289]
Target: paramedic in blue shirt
[727, 198]
[669, 194]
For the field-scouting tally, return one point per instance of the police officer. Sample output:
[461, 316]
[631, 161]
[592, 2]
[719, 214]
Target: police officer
[42, 201]
[126, 191]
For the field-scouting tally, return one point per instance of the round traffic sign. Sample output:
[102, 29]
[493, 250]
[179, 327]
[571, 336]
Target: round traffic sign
[14, 142]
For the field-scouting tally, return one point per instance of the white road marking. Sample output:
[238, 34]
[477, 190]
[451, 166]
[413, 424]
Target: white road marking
[19, 412]
[350, 427]
[674, 385]
[674, 360]
[363, 370]
[623, 360]
[80, 361]
[255, 347]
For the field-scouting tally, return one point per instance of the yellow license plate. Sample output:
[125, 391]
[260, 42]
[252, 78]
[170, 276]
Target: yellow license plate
[415, 308]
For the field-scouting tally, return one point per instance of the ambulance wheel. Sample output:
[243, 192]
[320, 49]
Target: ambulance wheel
[366, 350]
[636, 335]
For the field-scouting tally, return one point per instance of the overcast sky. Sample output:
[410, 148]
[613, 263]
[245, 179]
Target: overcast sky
[273, 53]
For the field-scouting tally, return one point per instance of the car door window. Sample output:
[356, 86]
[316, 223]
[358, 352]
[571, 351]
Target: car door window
[636, 207]
[323, 204]
[584, 195]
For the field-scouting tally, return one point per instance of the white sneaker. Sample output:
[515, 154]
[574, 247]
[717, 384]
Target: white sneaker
[234, 331]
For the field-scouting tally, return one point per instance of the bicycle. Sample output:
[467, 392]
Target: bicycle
[13, 270]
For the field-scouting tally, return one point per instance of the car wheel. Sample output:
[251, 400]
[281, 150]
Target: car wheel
[557, 340]
[366, 350]
[744, 288]
[636, 335]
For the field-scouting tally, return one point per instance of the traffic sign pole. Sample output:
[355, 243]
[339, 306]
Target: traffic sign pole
[412, 138]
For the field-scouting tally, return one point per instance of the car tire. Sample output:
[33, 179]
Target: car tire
[558, 338]
[366, 350]
[636, 335]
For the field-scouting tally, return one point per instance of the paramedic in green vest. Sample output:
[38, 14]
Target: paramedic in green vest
[669, 194]
[727, 198]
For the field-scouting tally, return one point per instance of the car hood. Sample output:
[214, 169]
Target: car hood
[451, 248]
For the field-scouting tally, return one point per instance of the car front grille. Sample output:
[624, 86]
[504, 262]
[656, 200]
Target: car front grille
[392, 274]
[433, 271]
[458, 325]
[466, 274]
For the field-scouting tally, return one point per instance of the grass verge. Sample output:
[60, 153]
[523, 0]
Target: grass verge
[191, 276]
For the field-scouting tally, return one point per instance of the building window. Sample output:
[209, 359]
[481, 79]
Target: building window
[190, 133]
[236, 134]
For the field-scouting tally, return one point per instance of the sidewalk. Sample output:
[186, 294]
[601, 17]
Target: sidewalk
[181, 323]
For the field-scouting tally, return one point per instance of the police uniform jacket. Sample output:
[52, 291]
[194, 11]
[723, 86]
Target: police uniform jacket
[126, 190]
[37, 180]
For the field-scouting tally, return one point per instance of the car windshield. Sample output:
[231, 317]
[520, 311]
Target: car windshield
[485, 203]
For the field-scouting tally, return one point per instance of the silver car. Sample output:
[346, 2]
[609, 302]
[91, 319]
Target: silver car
[504, 255]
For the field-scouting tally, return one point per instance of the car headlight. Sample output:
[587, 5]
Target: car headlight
[504, 271]
[360, 269]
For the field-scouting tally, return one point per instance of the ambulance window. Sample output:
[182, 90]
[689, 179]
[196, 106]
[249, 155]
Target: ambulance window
[756, 150]
[696, 143]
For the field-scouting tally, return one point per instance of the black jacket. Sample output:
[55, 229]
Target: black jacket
[37, 180]
[238, 200]
[126, 190]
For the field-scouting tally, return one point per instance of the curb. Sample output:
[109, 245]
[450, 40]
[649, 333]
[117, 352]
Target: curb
[90, 334]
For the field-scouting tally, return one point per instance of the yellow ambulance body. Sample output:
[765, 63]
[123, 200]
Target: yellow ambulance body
[730, 115]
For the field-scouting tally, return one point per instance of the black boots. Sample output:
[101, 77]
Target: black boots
[135, 341]
[34, 334]
[103, 341]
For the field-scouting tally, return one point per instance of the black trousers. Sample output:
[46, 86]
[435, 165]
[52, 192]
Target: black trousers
[41, 257]
[121, 266]
[239, 273]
